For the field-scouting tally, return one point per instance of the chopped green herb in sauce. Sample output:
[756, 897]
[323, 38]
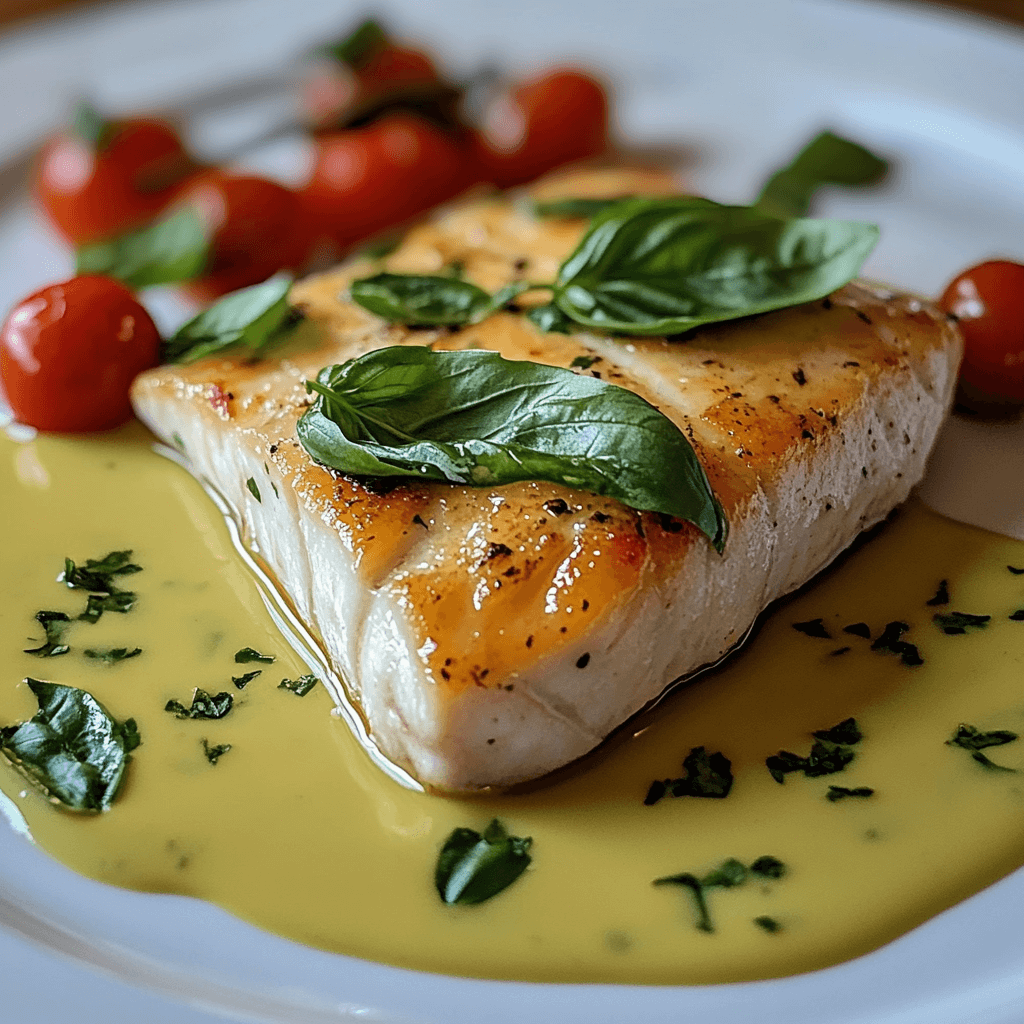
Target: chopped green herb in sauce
[246, 678]
[215, 753]
[768, 924]
[113, 654]
[248, 654]
[56, 625]
[708, 775]
[941, 595]
[841, 792]
[956, 623]
[301, 686]
[253, 489]
[72, 748]
[204, 705]
[814, 627]
[729, 873]
[891, 642]
[472, 868]
[972, 739]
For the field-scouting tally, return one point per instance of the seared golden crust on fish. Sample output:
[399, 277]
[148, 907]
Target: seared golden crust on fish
[490, 635]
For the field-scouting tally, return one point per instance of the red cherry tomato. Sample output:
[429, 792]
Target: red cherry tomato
[93, 191]
[547, 121]
[988, 300]
[69, 352]
[256, 226]
[366, 180]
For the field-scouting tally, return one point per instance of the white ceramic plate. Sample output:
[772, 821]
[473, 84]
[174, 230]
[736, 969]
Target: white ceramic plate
[743, 81]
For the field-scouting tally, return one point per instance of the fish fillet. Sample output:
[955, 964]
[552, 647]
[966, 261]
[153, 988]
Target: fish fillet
[490, 635]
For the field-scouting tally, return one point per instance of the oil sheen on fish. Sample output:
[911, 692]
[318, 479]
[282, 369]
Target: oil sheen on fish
[491, 635]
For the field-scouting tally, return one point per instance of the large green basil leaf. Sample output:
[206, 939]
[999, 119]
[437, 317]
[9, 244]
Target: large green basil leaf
[575, 208]
[828, 159]
[663, 266]
[72, 749]
[254, 317]
[421, 300]
[174, 248]
[474, 418]
[472, 867]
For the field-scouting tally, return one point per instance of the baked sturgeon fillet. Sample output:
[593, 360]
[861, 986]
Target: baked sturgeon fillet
[490, 635]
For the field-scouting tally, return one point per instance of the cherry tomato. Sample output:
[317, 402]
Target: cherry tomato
[368, 179]
[69, 352]
[91, 190]
[988, 300]
[554, 119]
[256, 228]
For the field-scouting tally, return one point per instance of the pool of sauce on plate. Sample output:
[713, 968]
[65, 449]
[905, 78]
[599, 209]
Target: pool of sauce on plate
[295, 830]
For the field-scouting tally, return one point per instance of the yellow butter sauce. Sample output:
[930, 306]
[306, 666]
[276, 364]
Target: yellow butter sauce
[295, 830]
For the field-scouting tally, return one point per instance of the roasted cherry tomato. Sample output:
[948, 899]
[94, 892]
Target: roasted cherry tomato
[69, 352]
[110, 177]
[256, 228]
[554, 119]
[366, 180]
[988, 300]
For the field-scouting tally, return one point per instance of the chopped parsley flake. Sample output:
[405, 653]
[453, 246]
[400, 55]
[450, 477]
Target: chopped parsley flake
[841, 792]
[204, 705]
[247, 655]
[829, 754]
[253, 489]
[861, 629]
[891, 642]
[56, 625]
[246, 678]
[941, 595]
[301, 686]
[214, 754]
[113, 654]
[815, 628]
[727, 875]
[768, 924]
[704, 774]
[956, 623]
[972, 739]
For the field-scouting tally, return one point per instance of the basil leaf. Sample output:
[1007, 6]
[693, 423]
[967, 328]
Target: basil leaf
[549, 319]
[204, 705]
[828, 159]
[472, 867]
[55, 624]
[301, 686]
[174, 248]
[474, 418]
[247, 655]
[92, 127]
[255, 317]
[361, 45]
[422, 300]
[664, 266]
[575, 208]
[72, 748]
